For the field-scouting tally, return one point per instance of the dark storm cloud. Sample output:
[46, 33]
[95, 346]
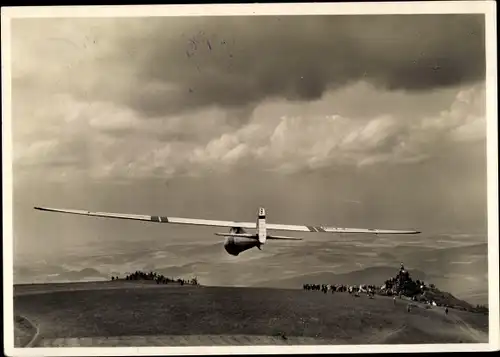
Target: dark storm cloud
[184, 63]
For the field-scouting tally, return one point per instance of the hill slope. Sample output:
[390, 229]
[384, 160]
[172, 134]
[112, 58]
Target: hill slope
[121, 310]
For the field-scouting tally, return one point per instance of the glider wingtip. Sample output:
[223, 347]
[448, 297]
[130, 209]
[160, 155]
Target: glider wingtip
[42, 208]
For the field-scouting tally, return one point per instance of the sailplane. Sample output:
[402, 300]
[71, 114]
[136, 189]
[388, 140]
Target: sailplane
[237, 240]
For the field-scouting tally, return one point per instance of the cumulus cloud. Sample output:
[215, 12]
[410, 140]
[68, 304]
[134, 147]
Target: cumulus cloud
[295, 143]
[102, 140]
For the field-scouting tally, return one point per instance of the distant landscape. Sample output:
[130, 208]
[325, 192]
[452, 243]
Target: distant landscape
[453, 263]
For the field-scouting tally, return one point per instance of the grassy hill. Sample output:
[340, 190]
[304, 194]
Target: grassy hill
[124, 308]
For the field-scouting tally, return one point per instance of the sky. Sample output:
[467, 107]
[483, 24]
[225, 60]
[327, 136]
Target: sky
[351, 121]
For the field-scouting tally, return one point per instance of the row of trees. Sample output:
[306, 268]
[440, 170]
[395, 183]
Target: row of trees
[158, 278]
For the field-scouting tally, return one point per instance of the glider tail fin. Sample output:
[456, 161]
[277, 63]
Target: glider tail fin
[261, 226]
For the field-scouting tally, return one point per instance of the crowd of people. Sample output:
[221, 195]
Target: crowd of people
[399, 285]
[158, 278]
[404, 287]
[351, 289]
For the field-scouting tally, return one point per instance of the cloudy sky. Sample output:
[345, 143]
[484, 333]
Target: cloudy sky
[369, 121]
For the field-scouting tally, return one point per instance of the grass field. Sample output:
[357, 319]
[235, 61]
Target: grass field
[24, 331]
[117, 310]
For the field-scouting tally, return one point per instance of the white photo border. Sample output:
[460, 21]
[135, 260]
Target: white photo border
[488, 8]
